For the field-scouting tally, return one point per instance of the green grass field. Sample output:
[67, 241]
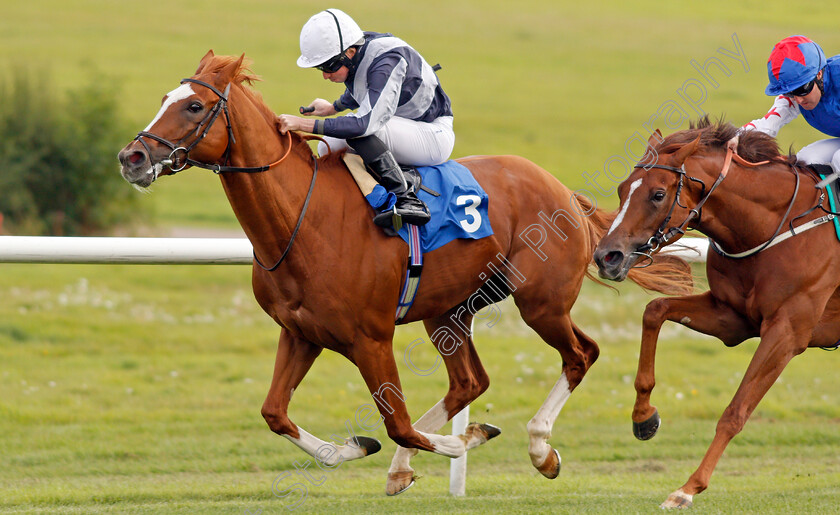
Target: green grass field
[138, 389]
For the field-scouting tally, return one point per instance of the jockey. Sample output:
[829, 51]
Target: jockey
[808, 84]
[402, 114]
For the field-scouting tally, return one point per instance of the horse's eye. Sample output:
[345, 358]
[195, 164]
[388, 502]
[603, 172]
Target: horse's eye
[658, 196]
[195, 107]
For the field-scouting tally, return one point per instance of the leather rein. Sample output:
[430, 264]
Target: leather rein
[662, 236]
[177, 163]
[179, 157]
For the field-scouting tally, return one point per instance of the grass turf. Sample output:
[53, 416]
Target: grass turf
[123, 393]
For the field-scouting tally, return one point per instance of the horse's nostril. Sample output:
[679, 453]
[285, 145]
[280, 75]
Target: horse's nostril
[614, 258]
[133, 158]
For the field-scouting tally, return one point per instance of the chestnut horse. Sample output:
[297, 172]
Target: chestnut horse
[339, 283]
[759, 282]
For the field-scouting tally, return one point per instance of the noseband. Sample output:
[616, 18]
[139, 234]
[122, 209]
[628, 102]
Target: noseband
[662, 236]
[179, 157]
[176, 166]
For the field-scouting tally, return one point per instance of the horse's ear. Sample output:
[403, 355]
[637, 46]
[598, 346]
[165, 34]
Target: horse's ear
[655, 138]
[228, 73]
[686, 151]
[204, 60]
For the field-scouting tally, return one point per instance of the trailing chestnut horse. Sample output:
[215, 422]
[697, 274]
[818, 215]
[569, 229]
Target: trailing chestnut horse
[339, 283]
[784, 291]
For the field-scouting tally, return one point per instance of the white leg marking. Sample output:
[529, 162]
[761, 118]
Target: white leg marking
[448, 445]
[678, 499]
[539, 428]
[431, 421]
[623, 211]
[327, 453]
[181, 92]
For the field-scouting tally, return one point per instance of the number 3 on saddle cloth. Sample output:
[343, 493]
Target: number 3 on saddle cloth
[458, 206]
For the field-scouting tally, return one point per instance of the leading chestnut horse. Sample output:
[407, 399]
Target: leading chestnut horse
[339, 283]
[763, 281]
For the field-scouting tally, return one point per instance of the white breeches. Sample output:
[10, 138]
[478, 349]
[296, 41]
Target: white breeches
[825, 151]
[412, 143]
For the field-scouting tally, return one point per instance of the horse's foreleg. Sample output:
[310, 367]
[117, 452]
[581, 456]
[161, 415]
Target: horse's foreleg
[467, 380]
[780, 342]
[704, 314]
[294, 359]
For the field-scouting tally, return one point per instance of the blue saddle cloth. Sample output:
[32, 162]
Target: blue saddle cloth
[459, 212]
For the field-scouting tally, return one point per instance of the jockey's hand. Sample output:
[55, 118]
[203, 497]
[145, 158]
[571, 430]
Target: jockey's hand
[732, 144]
[321, 108]
[288, 122]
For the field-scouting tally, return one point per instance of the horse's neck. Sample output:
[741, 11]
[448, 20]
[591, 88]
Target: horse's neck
[267, 204]
[748, 206]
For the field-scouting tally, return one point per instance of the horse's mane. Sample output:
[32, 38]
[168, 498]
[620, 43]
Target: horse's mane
[753, 145]
[245, 78]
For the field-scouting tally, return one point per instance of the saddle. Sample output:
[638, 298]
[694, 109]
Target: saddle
[367, 183]
[832, 190]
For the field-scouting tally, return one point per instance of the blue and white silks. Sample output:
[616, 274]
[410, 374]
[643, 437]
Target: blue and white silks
[459, 212]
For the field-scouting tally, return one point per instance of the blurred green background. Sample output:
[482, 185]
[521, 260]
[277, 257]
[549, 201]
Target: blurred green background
[565, 84]
[138, 389]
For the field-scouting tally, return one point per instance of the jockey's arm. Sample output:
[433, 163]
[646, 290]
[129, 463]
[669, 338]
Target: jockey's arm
[321, 107]
[384, 85]
[784, 110]
[290, 122]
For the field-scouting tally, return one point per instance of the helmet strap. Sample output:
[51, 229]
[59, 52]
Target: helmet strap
[819, 80]
[342, 57]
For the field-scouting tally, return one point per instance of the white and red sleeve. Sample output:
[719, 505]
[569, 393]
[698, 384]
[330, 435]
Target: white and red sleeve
[784, 110]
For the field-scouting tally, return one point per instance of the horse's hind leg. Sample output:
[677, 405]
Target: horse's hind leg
[579, 352]
[294, 359]
[375, 360]
[467, 380]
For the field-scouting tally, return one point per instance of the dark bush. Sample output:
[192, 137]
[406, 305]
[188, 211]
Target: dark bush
[58, 172]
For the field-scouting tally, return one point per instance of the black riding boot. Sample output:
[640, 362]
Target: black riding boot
[408, 208]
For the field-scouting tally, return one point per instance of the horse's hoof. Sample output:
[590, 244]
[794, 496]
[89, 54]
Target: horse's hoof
[399, 482]
[490, 430]
[678, 499]
[477, 434]
[370, 445]
[647, 429]
[551, 466]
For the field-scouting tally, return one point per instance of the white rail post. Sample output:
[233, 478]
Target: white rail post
[458, 466]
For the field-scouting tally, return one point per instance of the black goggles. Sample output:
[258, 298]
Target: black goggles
[331, 66]
[803, 90]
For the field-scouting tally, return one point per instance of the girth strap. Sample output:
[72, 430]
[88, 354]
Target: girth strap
[412, 273]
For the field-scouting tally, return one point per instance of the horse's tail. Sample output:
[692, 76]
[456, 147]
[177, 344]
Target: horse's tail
[667, 274]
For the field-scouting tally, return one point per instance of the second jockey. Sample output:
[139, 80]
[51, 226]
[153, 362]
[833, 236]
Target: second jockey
[804, 82]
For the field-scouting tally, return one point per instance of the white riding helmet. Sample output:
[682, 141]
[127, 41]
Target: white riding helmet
[326, 35]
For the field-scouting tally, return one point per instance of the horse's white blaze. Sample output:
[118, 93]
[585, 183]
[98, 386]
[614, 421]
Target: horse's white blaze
[539, 428]
[623, 211]
[181, 92]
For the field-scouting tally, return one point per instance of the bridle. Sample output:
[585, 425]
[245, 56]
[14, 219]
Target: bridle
[176, 165]
[662, 236]
[179, 158]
